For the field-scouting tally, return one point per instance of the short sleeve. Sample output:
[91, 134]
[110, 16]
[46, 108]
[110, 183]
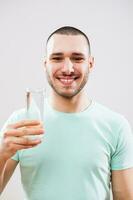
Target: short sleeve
[122, 158]
[15, 116]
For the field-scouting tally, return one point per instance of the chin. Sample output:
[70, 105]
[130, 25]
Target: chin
[67, 95]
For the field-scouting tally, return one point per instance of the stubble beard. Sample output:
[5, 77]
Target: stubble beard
[65, 94]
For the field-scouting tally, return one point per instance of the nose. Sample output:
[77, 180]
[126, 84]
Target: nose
[67, 66]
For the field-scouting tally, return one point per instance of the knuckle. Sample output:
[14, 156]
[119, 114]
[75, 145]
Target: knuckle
[24, 130]
[26, 141]
[23, 122]
[7, 141]
[6, 134]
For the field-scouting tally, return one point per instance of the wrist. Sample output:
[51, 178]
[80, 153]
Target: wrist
[3, 156]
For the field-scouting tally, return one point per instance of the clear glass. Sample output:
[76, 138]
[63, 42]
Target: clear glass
[35, 106]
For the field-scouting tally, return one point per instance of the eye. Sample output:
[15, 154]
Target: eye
[77, 59]
[57, 59]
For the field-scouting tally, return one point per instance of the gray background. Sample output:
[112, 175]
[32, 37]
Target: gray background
[24, 27]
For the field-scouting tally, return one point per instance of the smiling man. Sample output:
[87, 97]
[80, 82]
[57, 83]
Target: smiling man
[86, 147]
[68, 63]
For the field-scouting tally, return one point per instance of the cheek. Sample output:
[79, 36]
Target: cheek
[85, 69]
[50, 70]
[81, 68]
[53, 69]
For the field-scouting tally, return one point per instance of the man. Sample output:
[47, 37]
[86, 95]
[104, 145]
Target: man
[86, 145]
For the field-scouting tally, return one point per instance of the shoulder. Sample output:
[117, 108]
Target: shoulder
[109, 115]
[110, 120]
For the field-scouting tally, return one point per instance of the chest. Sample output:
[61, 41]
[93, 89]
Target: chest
[72, 144]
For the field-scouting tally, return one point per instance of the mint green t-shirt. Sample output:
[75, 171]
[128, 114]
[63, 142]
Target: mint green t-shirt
[78, 152]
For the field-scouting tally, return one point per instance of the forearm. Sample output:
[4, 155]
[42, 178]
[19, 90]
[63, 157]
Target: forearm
[3, 162]
[122, 196]
[122, 184]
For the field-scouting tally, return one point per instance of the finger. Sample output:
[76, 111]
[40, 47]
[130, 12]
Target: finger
[11, 141]
[27, 142]
[20, 147]
[25, 123]
[31, 131]
[38, 126]
[23, 131]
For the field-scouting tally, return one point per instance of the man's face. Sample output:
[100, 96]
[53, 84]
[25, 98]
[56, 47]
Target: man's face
[67, 64]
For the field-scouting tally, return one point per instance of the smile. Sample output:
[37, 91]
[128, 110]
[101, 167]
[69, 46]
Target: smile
[67, 80]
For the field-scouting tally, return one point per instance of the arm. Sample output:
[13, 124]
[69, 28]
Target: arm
[122, 184]
[13, 140]
[6, 168]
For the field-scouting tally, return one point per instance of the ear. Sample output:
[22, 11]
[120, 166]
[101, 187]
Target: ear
[91, 63]
[44, 63]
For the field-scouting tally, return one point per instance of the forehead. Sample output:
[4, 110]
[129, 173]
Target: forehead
[67, 44]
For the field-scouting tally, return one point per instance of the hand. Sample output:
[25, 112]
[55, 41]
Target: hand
[16, 137]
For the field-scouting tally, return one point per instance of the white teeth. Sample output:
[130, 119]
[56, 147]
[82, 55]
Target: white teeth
[67, 80]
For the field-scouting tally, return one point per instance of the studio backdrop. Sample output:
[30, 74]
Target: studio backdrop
[24, 28]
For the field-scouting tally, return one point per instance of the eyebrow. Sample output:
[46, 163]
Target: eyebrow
[61, 54]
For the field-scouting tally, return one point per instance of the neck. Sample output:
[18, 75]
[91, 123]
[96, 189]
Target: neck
[77, 103]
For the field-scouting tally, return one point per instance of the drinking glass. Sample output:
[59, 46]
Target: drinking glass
[35, 107]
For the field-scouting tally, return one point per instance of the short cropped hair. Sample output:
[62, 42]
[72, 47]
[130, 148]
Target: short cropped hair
[69, 30]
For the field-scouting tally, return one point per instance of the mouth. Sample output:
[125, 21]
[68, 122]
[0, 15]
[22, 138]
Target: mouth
[67, 80]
